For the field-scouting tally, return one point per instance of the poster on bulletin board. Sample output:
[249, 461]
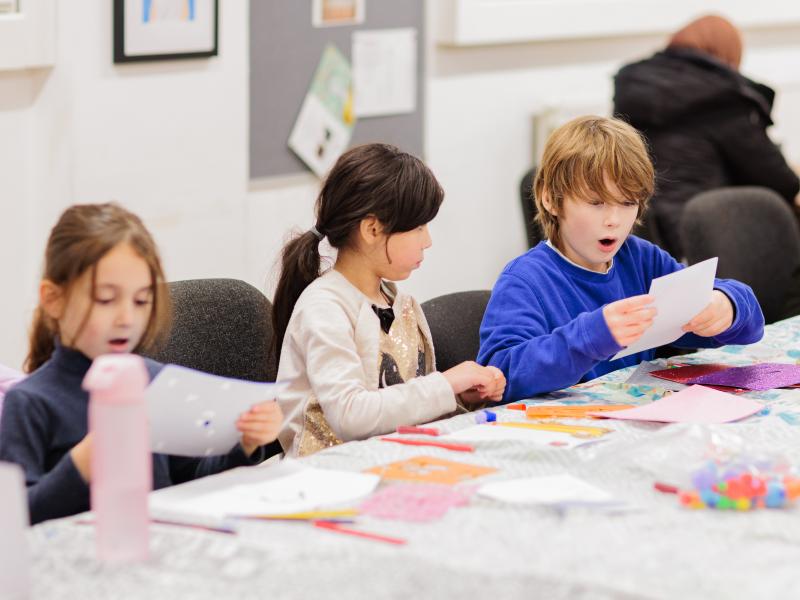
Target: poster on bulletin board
[325, 123]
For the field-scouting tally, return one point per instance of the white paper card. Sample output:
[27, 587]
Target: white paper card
[14, 556]
[540, 437]
[679, 297]
[561, 490]
[300, 490]
[385, 71]
[194, 414]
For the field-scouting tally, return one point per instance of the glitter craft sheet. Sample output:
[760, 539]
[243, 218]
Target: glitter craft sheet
[760, 377]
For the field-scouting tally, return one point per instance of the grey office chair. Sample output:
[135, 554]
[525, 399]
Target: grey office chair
[220, 326]
[224, 327]
[532, 229]
[455, 320]
[754, 233]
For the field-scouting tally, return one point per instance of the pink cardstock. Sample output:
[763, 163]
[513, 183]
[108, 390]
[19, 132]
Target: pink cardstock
[695, 404]
[415, 502]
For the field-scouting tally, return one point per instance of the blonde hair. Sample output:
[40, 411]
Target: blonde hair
[83, 235]
[580, 156]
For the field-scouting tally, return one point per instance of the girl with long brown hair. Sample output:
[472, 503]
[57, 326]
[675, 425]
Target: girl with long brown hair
[103, 291]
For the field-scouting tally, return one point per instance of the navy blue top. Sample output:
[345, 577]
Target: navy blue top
[45, 415]
[544, 325]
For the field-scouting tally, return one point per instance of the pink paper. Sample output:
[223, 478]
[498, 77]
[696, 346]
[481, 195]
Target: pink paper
[695, 404]
[415, 502]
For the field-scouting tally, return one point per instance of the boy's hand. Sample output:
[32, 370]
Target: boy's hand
[493, 391]
[714, 318]
[259, 425]
[628, 319]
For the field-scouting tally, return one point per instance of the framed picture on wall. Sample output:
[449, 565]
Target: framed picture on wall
[147, 30]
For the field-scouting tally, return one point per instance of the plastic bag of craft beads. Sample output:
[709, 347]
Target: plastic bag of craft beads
[738, 466]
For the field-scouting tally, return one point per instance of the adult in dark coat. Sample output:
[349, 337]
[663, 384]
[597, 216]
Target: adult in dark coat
[705, 122]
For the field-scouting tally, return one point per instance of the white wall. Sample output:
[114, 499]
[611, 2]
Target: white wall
[169, 140]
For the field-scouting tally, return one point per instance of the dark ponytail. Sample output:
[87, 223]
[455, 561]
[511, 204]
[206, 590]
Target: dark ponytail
[375, 180]
[300, 264]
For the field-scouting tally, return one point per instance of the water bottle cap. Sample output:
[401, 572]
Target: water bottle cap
[116, 372]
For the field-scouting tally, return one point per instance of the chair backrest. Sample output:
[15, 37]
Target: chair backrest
[220, 326]
[754, 233]
[532, 229]
[455, 320]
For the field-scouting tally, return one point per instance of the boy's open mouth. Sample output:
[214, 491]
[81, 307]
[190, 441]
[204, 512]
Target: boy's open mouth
[607, 242]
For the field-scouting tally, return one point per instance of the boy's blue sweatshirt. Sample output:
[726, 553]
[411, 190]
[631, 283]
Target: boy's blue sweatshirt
[46, 414]
[544, 325]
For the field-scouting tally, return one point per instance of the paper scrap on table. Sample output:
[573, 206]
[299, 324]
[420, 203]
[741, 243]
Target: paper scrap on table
[758, 377]
[679, 297]
[642, 375]
[540, 437]
[385, 71]
[305, 489]
[428, 469]
[561, 490]
[193, 413]
[14, 554]
[415, 501]
[325, 123]
[695, 404]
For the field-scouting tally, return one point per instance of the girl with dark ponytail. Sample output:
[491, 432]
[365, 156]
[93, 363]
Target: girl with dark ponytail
[356, 351]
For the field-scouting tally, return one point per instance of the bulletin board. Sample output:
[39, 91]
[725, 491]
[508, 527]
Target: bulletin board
[285, 49]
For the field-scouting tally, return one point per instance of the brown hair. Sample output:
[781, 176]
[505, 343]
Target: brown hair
[82, 236]
[371, 180]
[713, 35]
[579, 155]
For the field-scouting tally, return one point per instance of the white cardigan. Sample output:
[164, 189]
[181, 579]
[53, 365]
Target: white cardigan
[330, 356]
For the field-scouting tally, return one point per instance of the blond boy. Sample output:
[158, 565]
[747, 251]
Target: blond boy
[562, 309]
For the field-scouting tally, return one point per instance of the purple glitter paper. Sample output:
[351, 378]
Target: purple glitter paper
[760, 377]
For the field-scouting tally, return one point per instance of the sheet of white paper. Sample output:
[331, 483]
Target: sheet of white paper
[680, 296]
[298, 490]
[540, 437]
[385, 71]
[562, 490]
[194, 414]
[14, 557]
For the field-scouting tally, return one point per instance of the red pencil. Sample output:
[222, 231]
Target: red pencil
[445, 445]
[665, 488]
[419, 430]
[364, 534]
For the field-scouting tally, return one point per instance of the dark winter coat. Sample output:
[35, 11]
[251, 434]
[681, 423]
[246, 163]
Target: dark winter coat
[706, 125]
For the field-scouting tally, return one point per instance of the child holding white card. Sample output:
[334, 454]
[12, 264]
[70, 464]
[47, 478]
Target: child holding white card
[103, 291]
[560, 311]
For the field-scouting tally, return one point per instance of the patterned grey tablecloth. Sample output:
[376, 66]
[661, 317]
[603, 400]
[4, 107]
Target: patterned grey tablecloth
[488, 549]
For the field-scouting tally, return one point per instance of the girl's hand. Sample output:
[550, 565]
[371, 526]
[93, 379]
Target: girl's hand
[628, 319]
[259, 425]
[479, 382]
[714, 318]
[81, 455]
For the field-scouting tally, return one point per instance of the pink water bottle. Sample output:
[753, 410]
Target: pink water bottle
[121, 464]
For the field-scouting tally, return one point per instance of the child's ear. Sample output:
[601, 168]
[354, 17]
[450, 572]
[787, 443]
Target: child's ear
[370, 229]
[548, 206]
[51, 299]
